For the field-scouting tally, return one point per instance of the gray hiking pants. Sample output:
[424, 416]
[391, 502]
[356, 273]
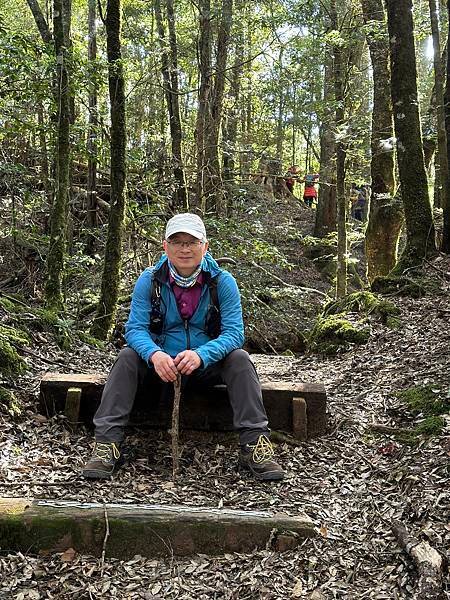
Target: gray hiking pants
[131, 373]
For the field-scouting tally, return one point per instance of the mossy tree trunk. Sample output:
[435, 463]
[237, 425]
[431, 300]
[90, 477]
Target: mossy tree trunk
[169, 68]
[325, 221]
[385, 215]
[445, 246]
[59, 210]
[92, 130]
[339, 97]
[113, 251]
[231, 120]
[209, 176]
[420, 236]
[442, 179]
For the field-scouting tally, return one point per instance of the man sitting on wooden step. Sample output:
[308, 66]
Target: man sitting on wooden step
[186, 318]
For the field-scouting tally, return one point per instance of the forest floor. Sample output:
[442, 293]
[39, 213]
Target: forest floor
[353, 482]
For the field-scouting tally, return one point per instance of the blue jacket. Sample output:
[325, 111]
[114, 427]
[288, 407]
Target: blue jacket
[178, 335]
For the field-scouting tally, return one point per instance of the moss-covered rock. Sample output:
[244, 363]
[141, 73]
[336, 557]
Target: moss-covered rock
[404, 286]
[9, 402]
[334, 332]
[362, 302]
[11, 363]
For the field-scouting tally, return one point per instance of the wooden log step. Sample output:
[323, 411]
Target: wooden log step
[202, 411]
[296, 408]
[48, 526]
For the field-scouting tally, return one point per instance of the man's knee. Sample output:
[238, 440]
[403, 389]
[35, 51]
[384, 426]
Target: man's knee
[128, 357]
[237, 358]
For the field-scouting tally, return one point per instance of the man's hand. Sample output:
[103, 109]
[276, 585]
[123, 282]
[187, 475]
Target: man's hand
[164, 366]
[187, 362]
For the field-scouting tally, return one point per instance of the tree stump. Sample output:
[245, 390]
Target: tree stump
[270, 177]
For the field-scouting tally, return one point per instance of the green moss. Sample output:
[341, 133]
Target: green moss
[423, 400]
[11, 363]
[404, 286]
[429, 427]
[9, 306]
[91, 341]
[9, 402]
[334, 332]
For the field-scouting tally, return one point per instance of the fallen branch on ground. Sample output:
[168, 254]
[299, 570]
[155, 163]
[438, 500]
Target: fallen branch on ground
[428, 561]
[285, 283]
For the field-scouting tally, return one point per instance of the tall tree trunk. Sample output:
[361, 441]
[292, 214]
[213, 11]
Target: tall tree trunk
[442, 175]
[212, 188]
[385, 216]
[43, 150]
[169, 68]
[420, 240]
[325, 221]
[113, 252]
[339, 97]
[445, 245]
[59, 209]
[92, 128]
[204, 96]
[40, 21]
[230, 125]
[280, 124]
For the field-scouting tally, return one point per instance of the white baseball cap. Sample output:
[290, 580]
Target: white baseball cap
[186, 223]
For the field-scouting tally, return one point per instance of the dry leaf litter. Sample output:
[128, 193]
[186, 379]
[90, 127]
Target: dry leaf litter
[346, 481]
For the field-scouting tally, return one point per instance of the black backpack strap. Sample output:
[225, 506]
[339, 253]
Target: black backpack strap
[212, 320]
[156, 314]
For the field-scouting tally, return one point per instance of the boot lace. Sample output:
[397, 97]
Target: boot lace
[105, 451]
[262, 450]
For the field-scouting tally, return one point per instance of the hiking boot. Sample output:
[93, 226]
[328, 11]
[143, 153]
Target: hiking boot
[257, 458]
[103, 461]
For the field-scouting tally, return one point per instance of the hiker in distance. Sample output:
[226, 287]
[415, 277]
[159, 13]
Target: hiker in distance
[186, 318]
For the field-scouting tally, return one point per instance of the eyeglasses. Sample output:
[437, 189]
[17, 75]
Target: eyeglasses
[177, 244]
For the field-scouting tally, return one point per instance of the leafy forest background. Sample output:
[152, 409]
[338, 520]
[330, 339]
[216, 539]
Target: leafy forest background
[116, 114]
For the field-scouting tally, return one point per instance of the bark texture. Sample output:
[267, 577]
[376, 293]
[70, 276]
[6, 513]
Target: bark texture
[209, 178]
[59, 209]
[441, 180]
[385, 215]
[420, 236]
[92, 129]
[169, 69]
[113, 251]
[325, 221]
[445, 246]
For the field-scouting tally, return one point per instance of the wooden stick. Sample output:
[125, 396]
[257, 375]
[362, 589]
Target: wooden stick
[175, 431]
[428, 561]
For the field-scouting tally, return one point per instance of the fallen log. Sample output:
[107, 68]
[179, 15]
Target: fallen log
[47, 526]
[428, 561]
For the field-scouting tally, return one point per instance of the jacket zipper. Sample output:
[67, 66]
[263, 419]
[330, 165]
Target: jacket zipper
[188, 336]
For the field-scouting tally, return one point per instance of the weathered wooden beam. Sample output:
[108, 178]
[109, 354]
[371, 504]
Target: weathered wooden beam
[29, 525]
[299, 419]
[72, 406]
[205, 410]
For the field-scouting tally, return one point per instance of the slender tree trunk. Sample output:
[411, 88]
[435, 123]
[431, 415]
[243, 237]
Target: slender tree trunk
[385, 215]
[230, 126]
[280, 124]
[445, 245]
[204, 96]
[169, 68]
[325, 221]
[43, 151]
[420, 240]
[41, 21]
[339, 96]
[214, 198]
[113, 251]
[92, 128]
[442, 176]
[59, 210]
